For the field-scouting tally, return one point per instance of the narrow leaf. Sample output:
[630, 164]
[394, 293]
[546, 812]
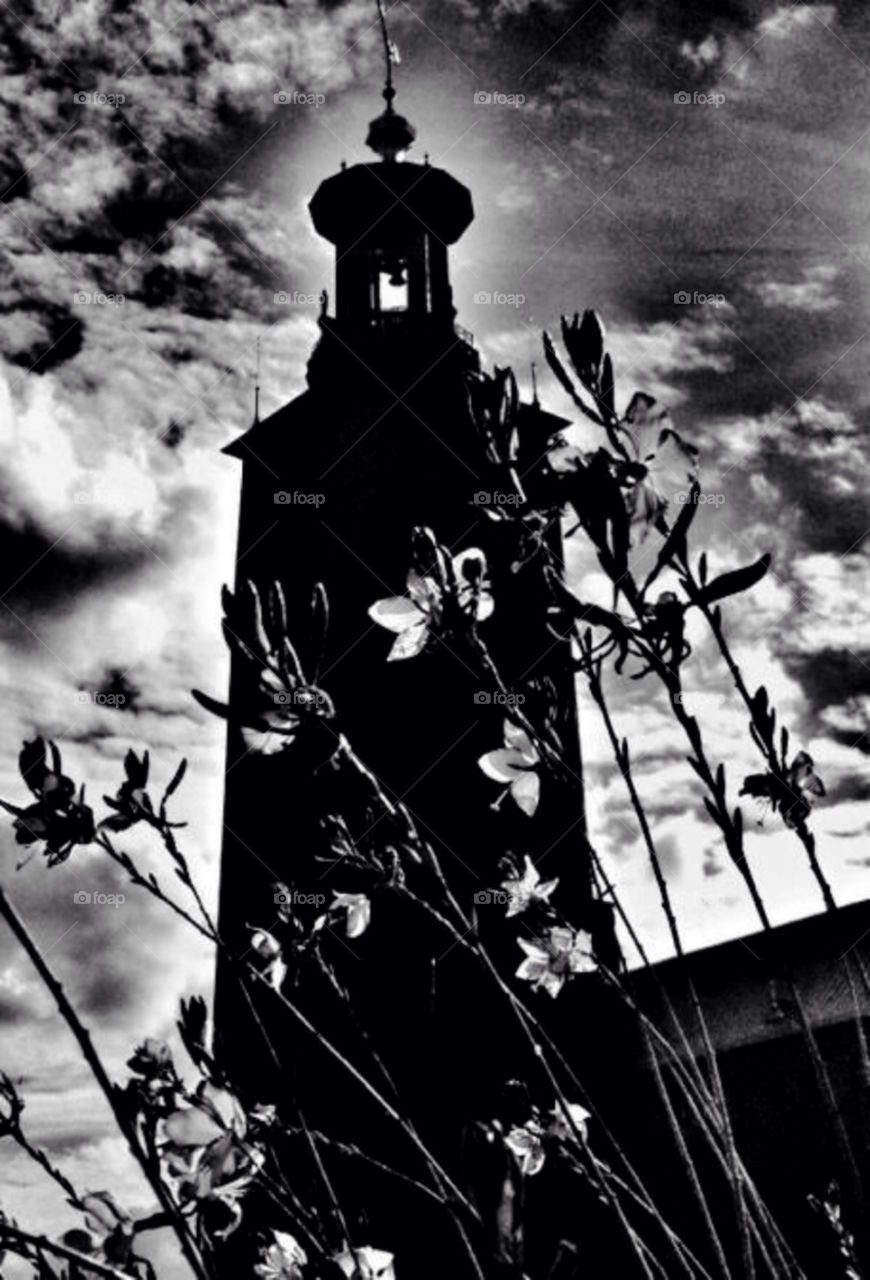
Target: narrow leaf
[729, 584]
[176, 779]
[674, 545]
[210, 704]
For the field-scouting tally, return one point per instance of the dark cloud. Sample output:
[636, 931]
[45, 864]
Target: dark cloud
[826, 674]
[39, 335]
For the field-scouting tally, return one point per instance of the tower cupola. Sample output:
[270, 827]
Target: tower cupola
[391, 222]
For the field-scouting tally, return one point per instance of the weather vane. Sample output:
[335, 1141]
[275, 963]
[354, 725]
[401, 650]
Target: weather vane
[391, 54]
[391, 134]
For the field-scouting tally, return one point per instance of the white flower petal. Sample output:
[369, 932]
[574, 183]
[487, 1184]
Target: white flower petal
[526, 791]
[473, 559]
[566, 457]
[366, 1263]
[579, 1116]
[552, 983]
[424, 592]
[517, 738]
[532, 970]
[485, 605]
[397, 613]
[265, 944]
[502, 765]
[534, 950]
[410, 642]
[265, 744]
[191, 1127]
[525, 1143]
[561, 939]
[359, 912]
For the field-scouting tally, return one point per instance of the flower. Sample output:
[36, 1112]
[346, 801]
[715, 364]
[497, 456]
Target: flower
[791, 794]
[526, 1142]
[152, 1058]
[565, 457]
[214, 1113]
[414, 617]
[559, 1126]
[527, 888]
[359, 911]
[280, 703]
[132, 803]
[661, 455]
[269, 949]
[155, 1084]
[109, 1230]
[263, 1113]
[549, 966]
[283, 1259]
[59, 818]
[207, 1152]
[218, 1176]
[366, 1263]
[516, 764]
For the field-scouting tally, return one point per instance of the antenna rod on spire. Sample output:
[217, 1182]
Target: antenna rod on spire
[535, 384]
[391, 53]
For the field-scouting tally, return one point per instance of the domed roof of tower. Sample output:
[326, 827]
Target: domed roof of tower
[386, 201]
[390, 135]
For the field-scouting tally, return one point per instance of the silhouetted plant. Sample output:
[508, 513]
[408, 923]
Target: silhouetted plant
[211, 1152]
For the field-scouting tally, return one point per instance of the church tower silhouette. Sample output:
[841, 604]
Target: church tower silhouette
[384, 440]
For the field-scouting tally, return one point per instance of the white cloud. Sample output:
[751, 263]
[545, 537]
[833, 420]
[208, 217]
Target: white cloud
[703, 54]
[788, 20]
[813, 293]
[834, 596]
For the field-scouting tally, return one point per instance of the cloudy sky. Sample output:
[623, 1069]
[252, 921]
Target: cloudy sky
[701, 178]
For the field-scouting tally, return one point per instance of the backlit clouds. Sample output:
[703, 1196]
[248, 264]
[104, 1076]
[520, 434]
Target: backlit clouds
[725, 247]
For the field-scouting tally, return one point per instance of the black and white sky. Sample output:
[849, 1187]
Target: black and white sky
[698, 173]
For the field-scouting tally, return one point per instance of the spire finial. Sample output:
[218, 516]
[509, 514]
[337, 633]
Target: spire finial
[391, 134]
[535, 401]
[391, 55]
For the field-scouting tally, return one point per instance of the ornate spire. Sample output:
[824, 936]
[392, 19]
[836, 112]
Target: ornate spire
[390, 135]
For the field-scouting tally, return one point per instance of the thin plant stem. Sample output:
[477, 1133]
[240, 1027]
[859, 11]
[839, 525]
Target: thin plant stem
[92, 1058]
[10, 1236]
[620, 751]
